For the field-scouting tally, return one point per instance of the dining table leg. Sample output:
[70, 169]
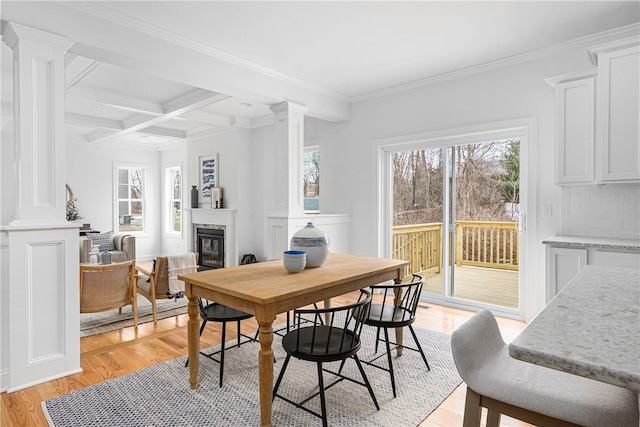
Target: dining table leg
[265, 368]
[193, 340]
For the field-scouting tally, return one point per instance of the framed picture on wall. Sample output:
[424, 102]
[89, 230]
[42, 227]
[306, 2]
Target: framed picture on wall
[208, 176]
[216, 197]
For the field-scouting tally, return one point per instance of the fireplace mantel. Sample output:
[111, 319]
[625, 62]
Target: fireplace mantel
[220, 217]
[213, 216]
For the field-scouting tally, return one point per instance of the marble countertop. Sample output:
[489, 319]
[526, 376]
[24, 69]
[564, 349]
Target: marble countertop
[591, 328]
[594, 242]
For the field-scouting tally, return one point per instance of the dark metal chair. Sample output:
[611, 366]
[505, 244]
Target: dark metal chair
[397, 309]
[213, 312]
[337, 340]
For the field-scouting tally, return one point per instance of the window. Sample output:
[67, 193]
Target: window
[311, 179]
[173, 203]
[131, 188]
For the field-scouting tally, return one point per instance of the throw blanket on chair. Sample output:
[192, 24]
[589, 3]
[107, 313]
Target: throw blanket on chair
[177, 265]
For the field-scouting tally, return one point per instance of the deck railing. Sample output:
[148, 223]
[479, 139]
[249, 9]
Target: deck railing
[481, 243]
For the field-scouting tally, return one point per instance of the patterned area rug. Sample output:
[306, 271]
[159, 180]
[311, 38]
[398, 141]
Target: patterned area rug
[96, 323]
[161, 395]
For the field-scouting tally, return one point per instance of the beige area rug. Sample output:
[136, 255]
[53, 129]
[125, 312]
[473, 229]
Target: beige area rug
[161, 396]
[96, 323]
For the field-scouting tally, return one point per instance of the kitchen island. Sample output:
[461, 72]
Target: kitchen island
[591, 328]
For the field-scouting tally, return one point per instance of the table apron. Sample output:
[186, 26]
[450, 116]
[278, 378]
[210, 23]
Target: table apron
[265, 311]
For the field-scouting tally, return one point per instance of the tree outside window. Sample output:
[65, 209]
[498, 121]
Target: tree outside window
[173, 185]
[311, 179]
[131, 199]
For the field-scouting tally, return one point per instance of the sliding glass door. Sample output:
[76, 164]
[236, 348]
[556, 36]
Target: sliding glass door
[455, 218]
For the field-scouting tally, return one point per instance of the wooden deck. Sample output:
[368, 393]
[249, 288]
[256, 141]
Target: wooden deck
[487, 285]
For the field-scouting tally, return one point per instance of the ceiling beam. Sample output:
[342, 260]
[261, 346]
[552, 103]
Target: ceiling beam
[77, 68]
[190, 101]
[111, 100]
[82, 120]
[163, 132]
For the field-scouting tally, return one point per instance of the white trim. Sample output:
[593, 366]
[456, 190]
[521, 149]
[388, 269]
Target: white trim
[526, 130]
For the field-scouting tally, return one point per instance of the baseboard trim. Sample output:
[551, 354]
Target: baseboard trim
[43, 380]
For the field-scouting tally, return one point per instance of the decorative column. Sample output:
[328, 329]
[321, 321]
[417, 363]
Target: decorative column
[288, 176]
[289, 151]
[39, 247]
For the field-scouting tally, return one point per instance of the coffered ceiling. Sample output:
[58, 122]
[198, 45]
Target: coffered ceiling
[155, 72]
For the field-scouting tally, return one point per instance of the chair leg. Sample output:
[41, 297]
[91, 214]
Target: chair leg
[154, 310]
[472, 409]
[279, 380]
[224, 337]
[366, 380]
[323, 403]
[493, 418]
[393, 379]
[377, 338]
[415, 337]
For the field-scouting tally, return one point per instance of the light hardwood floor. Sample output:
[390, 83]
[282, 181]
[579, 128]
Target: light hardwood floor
[120, 352]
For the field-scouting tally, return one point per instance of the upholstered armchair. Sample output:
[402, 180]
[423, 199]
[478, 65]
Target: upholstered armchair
[123, 247]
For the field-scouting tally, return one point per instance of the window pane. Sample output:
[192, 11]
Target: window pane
[136, 183]
[123, 176]
[123, 208]
[123, 190]
[175, 217]
[311, 179]
[177, 184]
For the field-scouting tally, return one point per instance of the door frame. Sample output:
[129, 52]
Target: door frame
[522, 129]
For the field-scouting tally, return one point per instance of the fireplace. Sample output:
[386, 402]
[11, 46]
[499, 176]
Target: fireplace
[210, 246]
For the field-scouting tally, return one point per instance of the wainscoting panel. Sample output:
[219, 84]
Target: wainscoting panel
[44, 318]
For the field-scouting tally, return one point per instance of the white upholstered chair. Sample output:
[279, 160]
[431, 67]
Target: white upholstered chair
[531, 393]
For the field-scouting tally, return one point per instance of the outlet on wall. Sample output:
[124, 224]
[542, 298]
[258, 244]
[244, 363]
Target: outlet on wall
[547, 211]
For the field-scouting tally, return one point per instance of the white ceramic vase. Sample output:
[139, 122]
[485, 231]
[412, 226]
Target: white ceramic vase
[314, 242]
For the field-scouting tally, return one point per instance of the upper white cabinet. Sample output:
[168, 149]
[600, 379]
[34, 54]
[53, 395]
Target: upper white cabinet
[575, 96]
[619, 113]
[598, 117]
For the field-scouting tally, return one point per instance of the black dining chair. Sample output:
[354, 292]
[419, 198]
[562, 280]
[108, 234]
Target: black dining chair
[396, 309]
[323, 342]
[213, 312]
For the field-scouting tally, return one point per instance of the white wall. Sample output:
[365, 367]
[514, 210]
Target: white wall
[515, 92]
[239, 181]
[90, 176]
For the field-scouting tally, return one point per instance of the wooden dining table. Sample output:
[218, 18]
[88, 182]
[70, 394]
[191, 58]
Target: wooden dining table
[266, 289]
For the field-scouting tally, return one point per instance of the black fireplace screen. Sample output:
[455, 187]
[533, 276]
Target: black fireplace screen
[210, 248]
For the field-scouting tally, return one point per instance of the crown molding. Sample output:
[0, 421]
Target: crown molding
[582, 42]
[596, 51]
[569, 77]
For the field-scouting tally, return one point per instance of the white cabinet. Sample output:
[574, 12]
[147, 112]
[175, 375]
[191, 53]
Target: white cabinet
[619, 113]
[606, 150]
[616, 259]
[562, 266]
[567, 255]
[575, 126]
